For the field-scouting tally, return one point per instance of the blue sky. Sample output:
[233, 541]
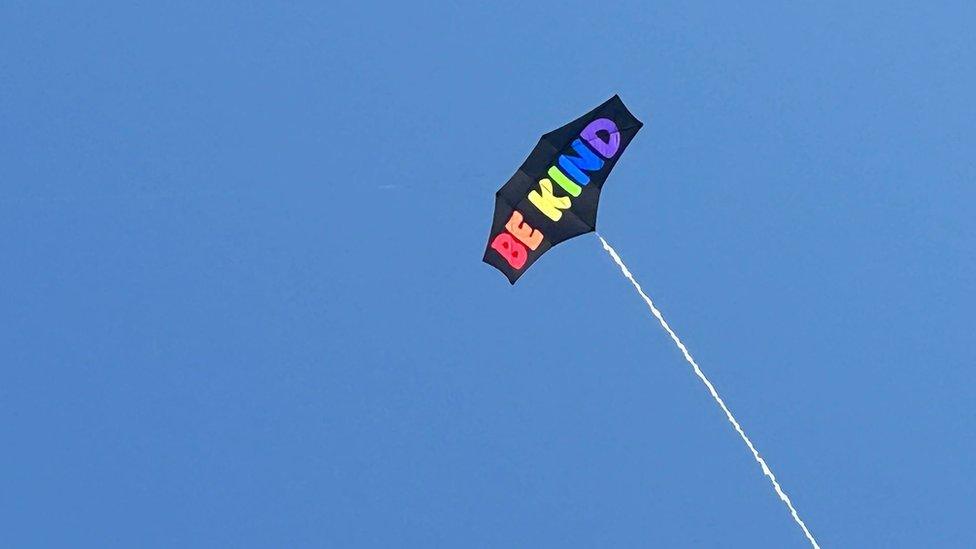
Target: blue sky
[243, 302]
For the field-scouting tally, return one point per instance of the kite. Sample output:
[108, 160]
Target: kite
[554, 196]
[555, 193]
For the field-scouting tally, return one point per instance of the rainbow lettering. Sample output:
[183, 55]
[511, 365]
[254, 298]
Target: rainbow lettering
[571, 176]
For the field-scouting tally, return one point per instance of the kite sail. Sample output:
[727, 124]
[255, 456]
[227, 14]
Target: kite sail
[555, 193]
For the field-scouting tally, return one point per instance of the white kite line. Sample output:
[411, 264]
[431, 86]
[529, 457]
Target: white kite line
[711, 389]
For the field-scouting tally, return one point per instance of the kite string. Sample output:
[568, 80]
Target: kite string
[711, 389]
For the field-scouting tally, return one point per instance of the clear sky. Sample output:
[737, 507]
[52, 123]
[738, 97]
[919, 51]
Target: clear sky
[243, 304]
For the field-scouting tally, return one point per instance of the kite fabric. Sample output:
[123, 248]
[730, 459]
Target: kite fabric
[555, 193]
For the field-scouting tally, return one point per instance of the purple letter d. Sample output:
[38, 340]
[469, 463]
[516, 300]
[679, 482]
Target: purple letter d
[605, 148]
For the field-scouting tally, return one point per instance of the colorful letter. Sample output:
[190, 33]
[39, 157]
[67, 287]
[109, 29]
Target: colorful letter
[548, 203]
[566, 183]
[522, 231]
[574, 166]
[513, 252]
[606, 148]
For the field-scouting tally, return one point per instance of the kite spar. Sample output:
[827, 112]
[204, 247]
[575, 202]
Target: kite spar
[531, 217]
